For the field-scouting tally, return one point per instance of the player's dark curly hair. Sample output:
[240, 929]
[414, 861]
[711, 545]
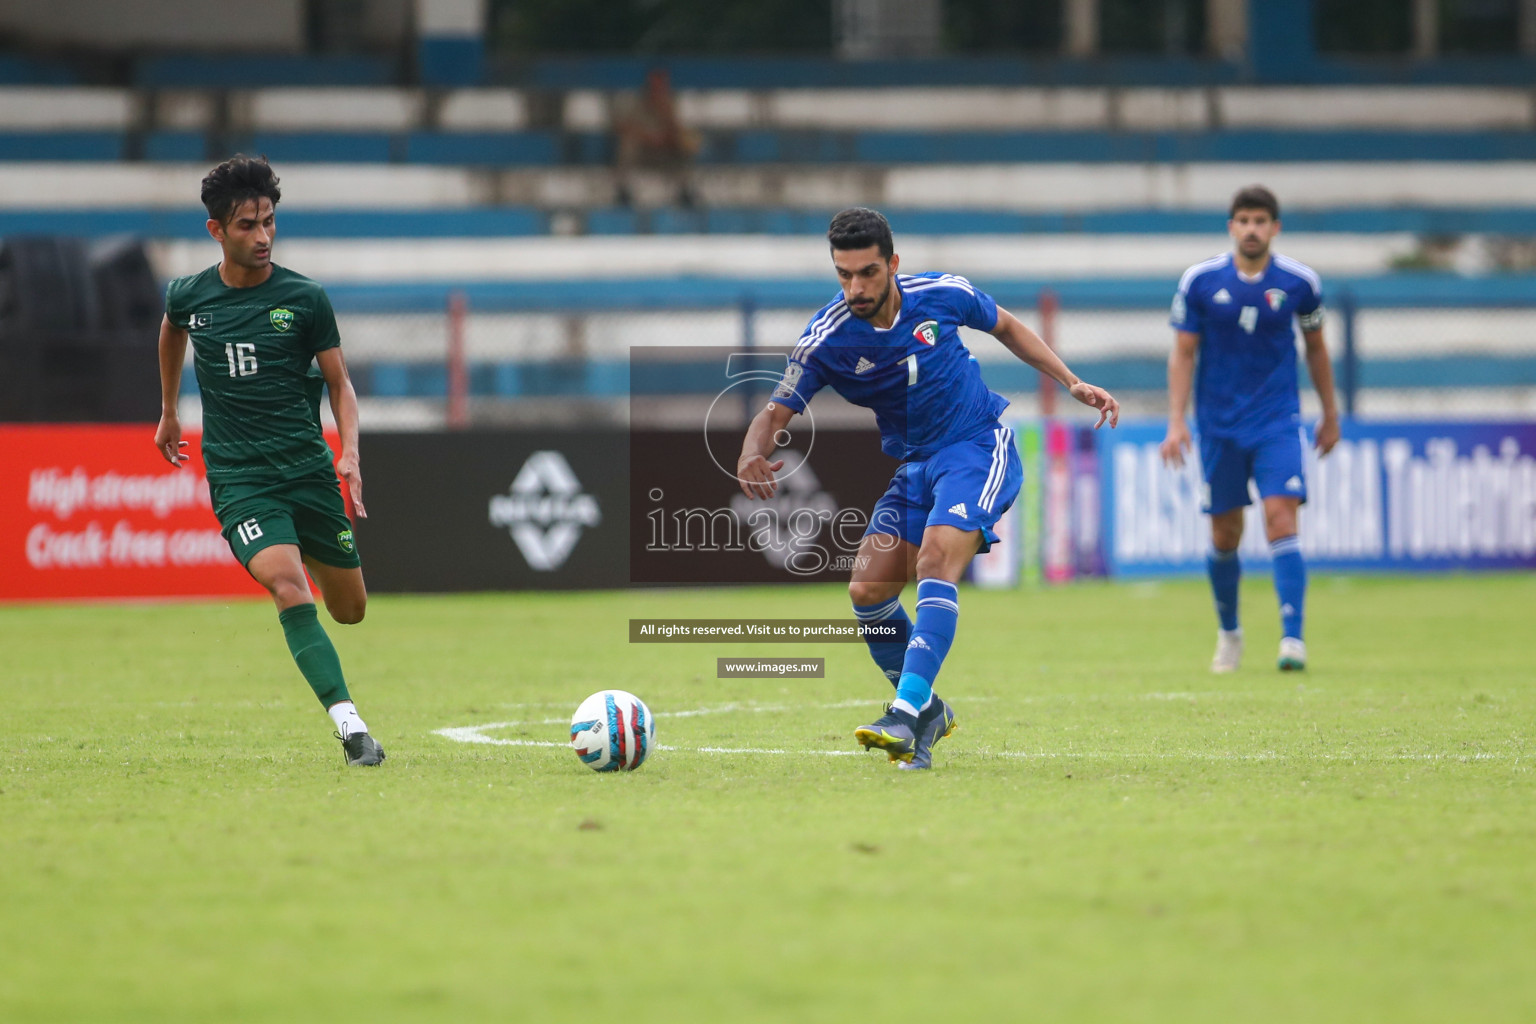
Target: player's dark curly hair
[236, 181]
[1256, 197]
[860, 228]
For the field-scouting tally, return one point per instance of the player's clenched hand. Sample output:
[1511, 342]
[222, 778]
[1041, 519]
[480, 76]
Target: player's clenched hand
[1099, 399]
[347, 469]
[168, 440]
[1327, 435]
[755, 474]
[1175, 444]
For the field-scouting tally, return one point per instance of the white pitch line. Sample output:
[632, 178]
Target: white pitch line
[476, 734]
[723, 709]
[467, 734]
[471, 734]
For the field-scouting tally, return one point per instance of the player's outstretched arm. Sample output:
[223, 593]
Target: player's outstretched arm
[333, 367]
[753, 470]
[1321, 368]
[1029, 347]
[173, 353]
[1181, 376]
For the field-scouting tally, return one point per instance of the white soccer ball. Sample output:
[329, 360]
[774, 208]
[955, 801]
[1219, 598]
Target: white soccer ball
[613, 731]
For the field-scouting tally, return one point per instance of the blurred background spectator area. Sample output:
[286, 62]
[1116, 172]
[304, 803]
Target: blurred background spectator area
[506, 198]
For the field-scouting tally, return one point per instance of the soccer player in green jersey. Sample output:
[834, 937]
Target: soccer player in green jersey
[257, 329]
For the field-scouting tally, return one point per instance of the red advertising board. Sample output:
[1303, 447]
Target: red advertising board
[92, 511]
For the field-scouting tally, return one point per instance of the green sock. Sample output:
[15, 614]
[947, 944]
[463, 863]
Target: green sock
[313, 652]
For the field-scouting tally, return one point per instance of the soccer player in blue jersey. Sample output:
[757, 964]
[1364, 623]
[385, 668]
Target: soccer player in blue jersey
[890, 342]
[1234, 319]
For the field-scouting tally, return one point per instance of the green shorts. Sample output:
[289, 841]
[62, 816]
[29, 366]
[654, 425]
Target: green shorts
[307, 511]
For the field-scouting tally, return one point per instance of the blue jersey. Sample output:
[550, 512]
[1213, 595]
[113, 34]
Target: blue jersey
[917, 375]
[1245, 382]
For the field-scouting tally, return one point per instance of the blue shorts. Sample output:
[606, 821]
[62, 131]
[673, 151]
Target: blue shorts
[1276, 463]
[967, 485]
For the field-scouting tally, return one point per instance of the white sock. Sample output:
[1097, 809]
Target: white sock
[344, 714]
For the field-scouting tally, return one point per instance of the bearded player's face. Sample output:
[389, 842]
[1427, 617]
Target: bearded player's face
[1253, 230]
[866, 278]
[247, 235]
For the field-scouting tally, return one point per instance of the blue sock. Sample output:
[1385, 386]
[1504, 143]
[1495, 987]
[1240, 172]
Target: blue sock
[888, 654]
[938, 612]
[1225, 571]
[1290, 583]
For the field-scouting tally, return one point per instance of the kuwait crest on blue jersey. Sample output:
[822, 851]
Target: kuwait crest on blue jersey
[1275, 297]
[927, 332]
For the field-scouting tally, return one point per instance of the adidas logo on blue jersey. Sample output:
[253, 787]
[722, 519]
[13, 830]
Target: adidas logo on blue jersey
[957, 509]
[1222, 296]
[864, 366]
[1293, 484]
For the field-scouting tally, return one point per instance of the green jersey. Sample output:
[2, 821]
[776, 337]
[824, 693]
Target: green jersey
[254, 350]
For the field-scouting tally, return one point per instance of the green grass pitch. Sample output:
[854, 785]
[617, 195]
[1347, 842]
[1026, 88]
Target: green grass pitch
[1113, 834]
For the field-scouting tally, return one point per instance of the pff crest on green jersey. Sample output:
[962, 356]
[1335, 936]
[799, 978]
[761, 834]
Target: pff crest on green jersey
[282, 319]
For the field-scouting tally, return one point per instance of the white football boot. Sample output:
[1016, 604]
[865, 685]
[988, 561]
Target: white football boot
[1229, 651]
[1293, 655]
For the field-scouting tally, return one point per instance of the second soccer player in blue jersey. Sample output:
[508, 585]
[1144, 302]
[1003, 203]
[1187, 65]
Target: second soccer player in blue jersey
[1235, 318]
[890, 342]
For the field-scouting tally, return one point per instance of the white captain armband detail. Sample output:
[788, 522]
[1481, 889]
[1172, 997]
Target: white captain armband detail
[1311, 321]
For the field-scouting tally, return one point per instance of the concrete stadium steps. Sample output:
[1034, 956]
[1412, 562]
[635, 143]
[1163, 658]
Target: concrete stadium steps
[854, 124]
[751, 147]
[1044, 188]
[904, 108]
[95, 186]
[524, 221]
[983, 257]
[165, 70]
[1319, 183]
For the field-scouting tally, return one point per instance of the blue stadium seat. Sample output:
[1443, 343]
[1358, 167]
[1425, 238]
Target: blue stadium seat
[242, 71]
[738, 72]
[476, 148]
[21, 69]
[323, 147]
[62, 145]
[175, 146]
